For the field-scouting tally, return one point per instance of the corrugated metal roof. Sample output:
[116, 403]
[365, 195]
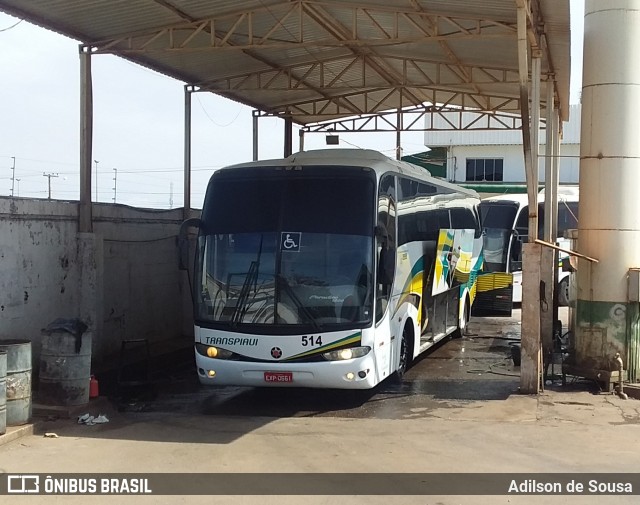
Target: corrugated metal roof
[319, 60]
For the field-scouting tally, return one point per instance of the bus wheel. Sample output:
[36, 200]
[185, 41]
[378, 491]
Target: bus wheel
[463, 320]
[405, 355]
[563, 292]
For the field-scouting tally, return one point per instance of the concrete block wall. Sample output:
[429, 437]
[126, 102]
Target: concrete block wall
[122, 279]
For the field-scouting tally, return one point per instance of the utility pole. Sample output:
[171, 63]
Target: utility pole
[49, 176]
[13, 175]
[115, 184]
[171, 195]
[96, 162]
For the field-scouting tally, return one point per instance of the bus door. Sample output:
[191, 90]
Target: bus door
[501, 248]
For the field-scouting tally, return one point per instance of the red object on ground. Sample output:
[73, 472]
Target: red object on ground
[93, 387]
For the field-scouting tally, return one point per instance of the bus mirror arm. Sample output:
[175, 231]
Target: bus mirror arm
[183, 241]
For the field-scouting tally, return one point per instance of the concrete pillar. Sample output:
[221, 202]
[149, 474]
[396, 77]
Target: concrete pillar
[609, 228]
[85, 219]
[91, 273]
[531, 348]
[531, 364]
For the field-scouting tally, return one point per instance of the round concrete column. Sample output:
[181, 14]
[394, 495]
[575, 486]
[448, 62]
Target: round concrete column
[609, 224]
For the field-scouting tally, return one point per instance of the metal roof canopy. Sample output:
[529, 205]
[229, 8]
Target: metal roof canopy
[310, 61]
[319, 60]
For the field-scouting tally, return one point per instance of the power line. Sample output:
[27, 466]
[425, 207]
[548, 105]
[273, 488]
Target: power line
[211, 119]
[9, 28]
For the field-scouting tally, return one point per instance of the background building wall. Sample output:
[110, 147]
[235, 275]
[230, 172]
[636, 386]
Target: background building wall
[122, 280]
[507, 145]
[513, 162]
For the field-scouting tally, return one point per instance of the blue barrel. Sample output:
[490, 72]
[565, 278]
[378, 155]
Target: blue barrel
[3, 392]
[18, 383]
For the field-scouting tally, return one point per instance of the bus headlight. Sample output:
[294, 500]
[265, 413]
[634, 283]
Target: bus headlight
[345, 354]
[213, 352]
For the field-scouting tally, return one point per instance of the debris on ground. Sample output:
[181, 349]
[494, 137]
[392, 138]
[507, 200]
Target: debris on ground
[90, 420]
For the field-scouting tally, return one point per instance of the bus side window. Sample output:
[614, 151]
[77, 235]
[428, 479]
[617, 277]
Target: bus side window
[385, 243]
[567, 217]
[465, 219]
[516, 251]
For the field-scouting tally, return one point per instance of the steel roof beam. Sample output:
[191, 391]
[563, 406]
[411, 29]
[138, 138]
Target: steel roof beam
[242, 30]
[422, 118]
[432, 73]
[369, 100]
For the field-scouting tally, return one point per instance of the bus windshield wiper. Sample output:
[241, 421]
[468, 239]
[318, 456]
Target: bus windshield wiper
[251, 278]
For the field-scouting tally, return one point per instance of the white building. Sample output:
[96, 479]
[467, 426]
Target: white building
[486, 158]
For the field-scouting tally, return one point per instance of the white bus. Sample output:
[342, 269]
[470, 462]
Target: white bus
[505, 227]
[329, 269]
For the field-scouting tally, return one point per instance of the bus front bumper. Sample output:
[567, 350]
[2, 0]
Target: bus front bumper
[358, 373]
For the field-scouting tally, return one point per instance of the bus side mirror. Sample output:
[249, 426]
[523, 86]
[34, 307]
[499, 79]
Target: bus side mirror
[183, 241]
[566, 264]
[516, 247]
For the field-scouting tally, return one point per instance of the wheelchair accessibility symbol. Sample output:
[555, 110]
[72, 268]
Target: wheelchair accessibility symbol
[290, 241]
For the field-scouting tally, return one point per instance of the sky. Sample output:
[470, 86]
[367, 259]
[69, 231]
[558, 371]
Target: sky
[138, 125]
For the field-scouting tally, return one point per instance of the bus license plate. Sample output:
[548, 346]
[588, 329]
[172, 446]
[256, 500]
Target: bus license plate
[278, 376]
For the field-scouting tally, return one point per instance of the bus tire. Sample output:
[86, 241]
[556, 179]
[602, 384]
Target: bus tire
[463, 320]
[563, 292]
[405, 354]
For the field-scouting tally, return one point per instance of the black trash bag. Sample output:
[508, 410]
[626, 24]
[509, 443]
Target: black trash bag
[73, 326]
[515, 354]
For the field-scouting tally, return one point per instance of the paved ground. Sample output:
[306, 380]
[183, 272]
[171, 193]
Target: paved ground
[458, 410]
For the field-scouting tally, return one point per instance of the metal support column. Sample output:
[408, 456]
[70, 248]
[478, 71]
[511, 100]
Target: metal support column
[398, 135]
[85, 219]
[548, 259]
[255, 135]
[188, 89]
[288, 136]
[555, 170]
[301, 139]
[550, 182]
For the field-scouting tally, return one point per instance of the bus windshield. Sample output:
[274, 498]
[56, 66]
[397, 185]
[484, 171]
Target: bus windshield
[288, 251]
[497, 223]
